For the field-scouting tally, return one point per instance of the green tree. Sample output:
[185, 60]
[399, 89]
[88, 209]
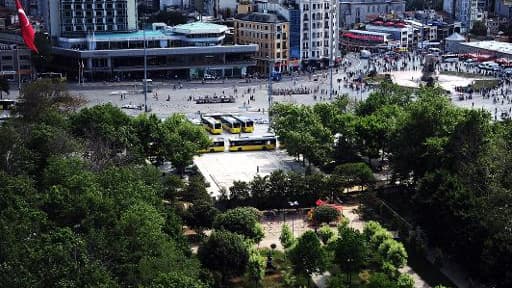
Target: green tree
[287, 238]
[42, 95]
[325, 214]
[225, 253]
[243, 221]
[325, 233]
[201, 215]
[349, 175]
[388, 93]
[195, 190]
[394, 252]
[256, 266]
[380, 280]
[42, 60]
[418, 145]
[307, 257]
[479, 28]
[405, 281]
[350, 251]
[181, 140]
[176, 280]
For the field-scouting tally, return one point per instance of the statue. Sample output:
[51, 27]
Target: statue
[429, 75]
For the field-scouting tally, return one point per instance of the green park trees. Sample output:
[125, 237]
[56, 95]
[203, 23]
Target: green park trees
[307, 257]
[243, 221]
[225, 253]
[71, 219]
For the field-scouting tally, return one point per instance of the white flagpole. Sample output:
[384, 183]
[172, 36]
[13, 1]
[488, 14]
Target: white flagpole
[19, 70]
[145, 69]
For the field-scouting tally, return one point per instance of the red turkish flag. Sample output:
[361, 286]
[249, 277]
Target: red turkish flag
[27, 31]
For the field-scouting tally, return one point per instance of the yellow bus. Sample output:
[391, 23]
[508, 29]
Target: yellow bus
[216, 146]
[230, 124]
[212, 125]
[252, 143]
[247, 124]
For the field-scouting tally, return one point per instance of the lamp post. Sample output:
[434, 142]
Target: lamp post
[293, 204]
[145, 68]
[270, 70]
[332, 22]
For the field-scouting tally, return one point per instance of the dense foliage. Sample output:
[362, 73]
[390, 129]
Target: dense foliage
[277, 190]
[454, 161]
[78, 205]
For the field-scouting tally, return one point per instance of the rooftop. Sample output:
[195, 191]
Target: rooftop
[502, 47]
[199, 28]
[263, 17]
[368, 32]
[150, 34]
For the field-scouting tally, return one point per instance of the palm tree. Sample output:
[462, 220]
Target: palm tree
[4, 87]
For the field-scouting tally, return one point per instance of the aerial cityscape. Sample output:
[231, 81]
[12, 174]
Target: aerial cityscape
[256, 143]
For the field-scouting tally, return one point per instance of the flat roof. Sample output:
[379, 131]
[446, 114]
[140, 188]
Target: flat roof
[199, 28]
[385, 28]
[496, 46]
[369, 32]
[130, 36]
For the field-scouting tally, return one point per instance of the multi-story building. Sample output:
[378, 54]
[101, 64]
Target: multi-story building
[270, 32]
[103, 37]
[466, 11]
[398, 31]
[319, 31]
[361, 11]
[503, 8]
[15, 61]
[187, 51]
[82, 17]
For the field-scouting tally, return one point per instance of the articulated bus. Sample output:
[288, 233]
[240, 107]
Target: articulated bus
[247, 123]
[212, 125]
[230, 124]
[216, 146]
[252, 143]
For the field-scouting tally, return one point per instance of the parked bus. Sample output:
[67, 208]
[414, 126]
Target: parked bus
[216, 146]
[247, 123]
[212, 125]
[252, 143]
[230, 124]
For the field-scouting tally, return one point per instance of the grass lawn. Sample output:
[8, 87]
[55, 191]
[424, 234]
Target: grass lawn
[485, 84]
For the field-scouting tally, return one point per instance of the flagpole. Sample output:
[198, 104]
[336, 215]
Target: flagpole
[19, 71]
[145, 68]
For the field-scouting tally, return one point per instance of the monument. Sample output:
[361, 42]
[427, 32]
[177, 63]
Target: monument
[429, 74]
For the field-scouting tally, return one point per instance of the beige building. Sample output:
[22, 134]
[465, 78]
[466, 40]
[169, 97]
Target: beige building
[270, 32]
[15, 62]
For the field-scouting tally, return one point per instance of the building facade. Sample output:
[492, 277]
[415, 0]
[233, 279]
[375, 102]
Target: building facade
[467, 12]
[186, 51]
[503, 8]
[319, 31]
[399, 32]
[353, 12]
[82, 17]
[271, 33]
[15, 61]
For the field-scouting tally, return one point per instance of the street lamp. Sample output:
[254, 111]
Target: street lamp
[270, 70]
[145, 68]
[293, 204]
